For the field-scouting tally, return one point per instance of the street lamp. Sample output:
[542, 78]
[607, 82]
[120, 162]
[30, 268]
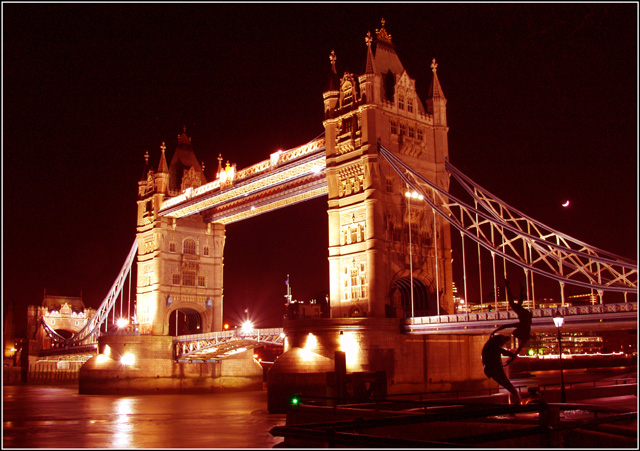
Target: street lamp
[558, 320]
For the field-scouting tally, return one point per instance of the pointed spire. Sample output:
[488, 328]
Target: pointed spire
[219, 165]
[334, 80]
[436, 101]
[370, 67]
[163, 167]
[145, 170]
[435, 91]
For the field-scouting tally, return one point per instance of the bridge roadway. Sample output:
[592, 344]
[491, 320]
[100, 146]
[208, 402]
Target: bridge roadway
[219, 345]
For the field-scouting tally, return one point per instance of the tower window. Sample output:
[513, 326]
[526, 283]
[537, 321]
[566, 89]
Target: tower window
[412, 133]
[201, 281]
[348, 125]
[354, 284]
[206, 250]
[401, 102]
[189, 278]
[402, 130]
[420, 134]
[394, 127]
[347, 94]
[189, 247]
[176, 279]
[410, 105]
[172, 247]
[389, 185]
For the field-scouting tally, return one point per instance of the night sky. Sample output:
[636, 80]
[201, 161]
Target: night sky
[542, 107]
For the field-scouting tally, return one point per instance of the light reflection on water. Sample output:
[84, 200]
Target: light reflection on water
[58, 417]
[122, 437]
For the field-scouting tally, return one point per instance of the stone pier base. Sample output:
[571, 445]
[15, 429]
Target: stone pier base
[148, 367]
[378, 360]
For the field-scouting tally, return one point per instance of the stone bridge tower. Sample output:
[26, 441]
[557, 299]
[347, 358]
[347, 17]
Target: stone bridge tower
[371, 220]
[179, 260]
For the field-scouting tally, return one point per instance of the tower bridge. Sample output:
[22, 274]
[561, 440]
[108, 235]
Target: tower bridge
[383, 162]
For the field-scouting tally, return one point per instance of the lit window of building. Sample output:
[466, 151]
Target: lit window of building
[348, 125]
[189, 247]
[354, 284]
[189, 278]
[347, 94]
[346, 283]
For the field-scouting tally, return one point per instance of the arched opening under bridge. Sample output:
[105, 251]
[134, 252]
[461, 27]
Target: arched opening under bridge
[424, 302]
[184, 321]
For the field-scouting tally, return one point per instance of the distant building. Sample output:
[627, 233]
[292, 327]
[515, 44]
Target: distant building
[66, 315]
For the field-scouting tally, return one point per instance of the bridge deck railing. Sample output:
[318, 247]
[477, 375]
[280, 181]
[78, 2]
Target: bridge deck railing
[537, 313]
[229, 334]
[219, 342]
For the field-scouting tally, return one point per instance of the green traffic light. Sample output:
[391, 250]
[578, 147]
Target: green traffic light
[295, 400]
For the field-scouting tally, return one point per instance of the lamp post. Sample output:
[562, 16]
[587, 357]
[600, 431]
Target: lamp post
[558, 320]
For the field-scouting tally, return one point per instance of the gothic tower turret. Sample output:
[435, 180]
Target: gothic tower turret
[331, 96]
[179, 260]
[162, 176]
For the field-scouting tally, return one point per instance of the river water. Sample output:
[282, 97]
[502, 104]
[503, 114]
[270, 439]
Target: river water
[36, 416]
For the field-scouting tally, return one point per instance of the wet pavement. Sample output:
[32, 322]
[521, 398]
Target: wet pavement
[58, 417]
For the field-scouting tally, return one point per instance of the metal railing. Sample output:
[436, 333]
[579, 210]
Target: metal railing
[221, 344]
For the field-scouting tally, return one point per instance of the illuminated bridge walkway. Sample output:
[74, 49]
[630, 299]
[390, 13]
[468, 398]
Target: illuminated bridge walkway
[220, 345]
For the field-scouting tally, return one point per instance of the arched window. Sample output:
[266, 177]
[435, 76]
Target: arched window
[354, 234]
[189, 247]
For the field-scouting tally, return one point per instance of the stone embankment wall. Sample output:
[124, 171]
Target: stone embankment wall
[152, 369]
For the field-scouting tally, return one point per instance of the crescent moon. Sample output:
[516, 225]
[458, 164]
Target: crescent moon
[566, 204]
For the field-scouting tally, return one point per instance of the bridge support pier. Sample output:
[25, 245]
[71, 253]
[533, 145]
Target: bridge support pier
[144, 364]
[383, 359]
